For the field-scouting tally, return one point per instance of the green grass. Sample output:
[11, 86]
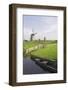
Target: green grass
[29, 44]
[49, 52]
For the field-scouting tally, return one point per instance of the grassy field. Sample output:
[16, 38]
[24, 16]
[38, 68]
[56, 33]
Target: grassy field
[50, 52]
[29, 44]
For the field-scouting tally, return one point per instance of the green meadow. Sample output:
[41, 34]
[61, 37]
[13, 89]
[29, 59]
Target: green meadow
[29, 44]
[49, 51]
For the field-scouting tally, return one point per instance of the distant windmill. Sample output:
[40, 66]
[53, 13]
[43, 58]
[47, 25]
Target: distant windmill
[44, 39]
[32, 35]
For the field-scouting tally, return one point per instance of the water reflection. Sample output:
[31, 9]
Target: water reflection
[30, 67]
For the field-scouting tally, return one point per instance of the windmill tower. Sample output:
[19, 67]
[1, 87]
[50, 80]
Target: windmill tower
[32, 35]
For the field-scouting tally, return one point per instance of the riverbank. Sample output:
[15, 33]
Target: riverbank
[46, 64]
[42, 55]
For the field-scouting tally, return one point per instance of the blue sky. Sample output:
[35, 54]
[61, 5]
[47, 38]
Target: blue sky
[44, 26]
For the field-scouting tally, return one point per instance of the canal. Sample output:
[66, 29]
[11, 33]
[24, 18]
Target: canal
[30, 67]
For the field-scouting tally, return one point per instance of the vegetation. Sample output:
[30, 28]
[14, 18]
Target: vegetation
[49, 51]
[29, 44]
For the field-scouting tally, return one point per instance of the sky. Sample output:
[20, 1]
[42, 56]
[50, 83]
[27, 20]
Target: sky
[43, 26]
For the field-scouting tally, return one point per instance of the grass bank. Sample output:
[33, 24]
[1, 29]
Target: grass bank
[49, 52]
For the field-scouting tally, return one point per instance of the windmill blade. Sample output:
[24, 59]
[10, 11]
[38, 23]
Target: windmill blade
[32, 31]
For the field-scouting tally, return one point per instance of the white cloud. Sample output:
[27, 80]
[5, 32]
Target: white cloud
[44, 27]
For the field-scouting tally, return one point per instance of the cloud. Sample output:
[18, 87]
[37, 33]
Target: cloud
[43, 26]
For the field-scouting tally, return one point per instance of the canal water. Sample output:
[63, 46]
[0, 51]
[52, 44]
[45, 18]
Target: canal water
[30, 67]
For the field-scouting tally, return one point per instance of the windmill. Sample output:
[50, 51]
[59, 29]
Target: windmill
[32, 35]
